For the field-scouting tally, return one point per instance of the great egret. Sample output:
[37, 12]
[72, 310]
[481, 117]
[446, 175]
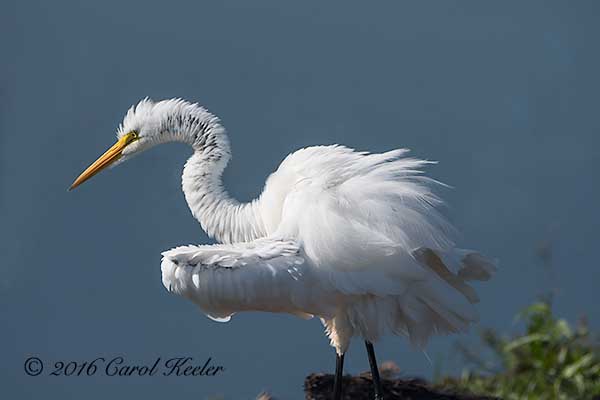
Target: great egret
[351, 237]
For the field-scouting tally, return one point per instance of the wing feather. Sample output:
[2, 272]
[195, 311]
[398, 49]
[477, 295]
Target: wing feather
[226, 278]
[362, 218]
[354, 211]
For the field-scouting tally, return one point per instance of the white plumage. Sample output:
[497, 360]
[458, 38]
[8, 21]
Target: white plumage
[350, 237]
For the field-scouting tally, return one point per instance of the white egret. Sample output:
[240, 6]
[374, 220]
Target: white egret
[350, 237]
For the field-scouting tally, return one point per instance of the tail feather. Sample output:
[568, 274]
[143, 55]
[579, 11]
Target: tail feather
[443, 305]
[457, 267]
[476, 267]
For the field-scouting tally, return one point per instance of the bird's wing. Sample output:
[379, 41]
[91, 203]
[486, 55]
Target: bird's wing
[369, 223]
[223, 279]
[349, 209]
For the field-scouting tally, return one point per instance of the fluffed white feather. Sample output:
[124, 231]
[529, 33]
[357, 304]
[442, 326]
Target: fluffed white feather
[351, 237]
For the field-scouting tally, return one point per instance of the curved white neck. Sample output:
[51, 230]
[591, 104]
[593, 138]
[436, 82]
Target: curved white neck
[221, 216]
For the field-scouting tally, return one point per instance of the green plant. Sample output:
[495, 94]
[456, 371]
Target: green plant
[552, 360]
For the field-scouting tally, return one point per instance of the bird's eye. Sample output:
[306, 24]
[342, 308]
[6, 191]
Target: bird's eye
[134, 134]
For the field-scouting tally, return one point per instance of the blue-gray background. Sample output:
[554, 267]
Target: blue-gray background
[503, 94]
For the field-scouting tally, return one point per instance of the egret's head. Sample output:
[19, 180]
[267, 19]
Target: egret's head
[149, 123]
[133, 136]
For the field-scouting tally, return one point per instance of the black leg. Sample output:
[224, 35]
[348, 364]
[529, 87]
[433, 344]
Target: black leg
[374, 371]
[337, 383]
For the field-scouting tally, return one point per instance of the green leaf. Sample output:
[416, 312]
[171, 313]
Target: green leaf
[535, 308]
[572, 369]
[563, 329]
[523, 340]
[551, 361]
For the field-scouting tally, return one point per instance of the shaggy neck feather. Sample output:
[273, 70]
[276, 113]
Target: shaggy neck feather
[221, 216]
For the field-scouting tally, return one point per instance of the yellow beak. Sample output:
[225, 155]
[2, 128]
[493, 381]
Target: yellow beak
[110, 156]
